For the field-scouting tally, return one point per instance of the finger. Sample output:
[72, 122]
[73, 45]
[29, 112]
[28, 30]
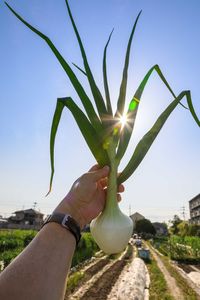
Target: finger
[104, 182]
[119, 197]
[100, 174]
[94, 168]
[121, 188]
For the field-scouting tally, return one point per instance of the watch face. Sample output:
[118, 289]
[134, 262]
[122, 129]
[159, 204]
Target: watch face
[65, 220]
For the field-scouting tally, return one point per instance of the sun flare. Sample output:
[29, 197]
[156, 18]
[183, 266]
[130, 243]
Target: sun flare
[123, 120]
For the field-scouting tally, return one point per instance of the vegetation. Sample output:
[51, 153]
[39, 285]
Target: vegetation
[73, 280]
[86, 249]
[183, 228]
[144, 226]
[186, 290]
[158, 285]
[183, 244]
[12, 242]
[186, 249]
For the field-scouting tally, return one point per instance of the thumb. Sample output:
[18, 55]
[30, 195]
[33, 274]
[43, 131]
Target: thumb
[101, 173]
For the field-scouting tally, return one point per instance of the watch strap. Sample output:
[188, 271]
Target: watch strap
[66, 221]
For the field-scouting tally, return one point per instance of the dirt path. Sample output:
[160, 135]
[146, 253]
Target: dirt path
[171, 282]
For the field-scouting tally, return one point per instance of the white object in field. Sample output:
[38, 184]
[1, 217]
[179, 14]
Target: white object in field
[112, 231]
[135, 282]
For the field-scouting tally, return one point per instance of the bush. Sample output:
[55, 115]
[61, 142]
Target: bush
[7, 256]
[178, 248]
[12, 242]
[86, 249]
[28, 238]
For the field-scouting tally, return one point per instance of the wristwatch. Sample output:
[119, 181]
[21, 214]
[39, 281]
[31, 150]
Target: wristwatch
[67, 222]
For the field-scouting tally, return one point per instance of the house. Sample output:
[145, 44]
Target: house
[136, 217]
[161, 228]
[194, 206]
[3, 221]
[28, 218]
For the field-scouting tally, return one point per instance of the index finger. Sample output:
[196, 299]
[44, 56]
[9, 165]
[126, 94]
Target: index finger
[94, 168]
[100, 173]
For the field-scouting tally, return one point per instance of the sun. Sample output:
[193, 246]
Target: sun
[123, 120]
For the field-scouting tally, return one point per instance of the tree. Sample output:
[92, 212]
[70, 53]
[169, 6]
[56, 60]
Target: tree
[175, 222]
[183, 228]
[144, 226]
[194, 230]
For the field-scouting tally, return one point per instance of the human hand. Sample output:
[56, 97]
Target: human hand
[86, 199]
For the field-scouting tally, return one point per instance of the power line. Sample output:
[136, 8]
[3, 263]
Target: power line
[183, 212]
[34, 205]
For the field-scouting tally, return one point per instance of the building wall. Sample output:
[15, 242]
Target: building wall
[194, 206]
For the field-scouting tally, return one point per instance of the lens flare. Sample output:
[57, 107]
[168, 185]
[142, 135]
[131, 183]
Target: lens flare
[123, 120]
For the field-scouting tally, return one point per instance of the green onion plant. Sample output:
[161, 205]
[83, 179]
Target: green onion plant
[104, 134]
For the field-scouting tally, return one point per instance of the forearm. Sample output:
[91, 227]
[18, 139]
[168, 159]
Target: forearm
[40, 271]
[42, 267]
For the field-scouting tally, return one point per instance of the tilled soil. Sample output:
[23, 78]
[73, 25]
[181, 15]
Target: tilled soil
[186, 268]
[104, 284]
[99, 279]
[88, 273]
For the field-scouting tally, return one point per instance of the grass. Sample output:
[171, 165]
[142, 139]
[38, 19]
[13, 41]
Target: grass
[188, 292]
[158, 286]
[73, 280]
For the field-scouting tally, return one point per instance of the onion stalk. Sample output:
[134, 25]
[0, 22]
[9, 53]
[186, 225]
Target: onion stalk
[106, 137]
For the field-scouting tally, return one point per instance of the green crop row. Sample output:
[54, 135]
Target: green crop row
[87, 248]
[12, 242]
[179, 248]
[13, 239]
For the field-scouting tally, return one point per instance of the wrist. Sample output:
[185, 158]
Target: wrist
[65, 221]
[68, 206]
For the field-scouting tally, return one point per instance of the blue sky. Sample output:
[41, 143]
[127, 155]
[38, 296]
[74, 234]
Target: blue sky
[31, 79]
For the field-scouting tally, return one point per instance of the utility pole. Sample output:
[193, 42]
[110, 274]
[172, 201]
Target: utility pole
[34, 205]
[183, 212]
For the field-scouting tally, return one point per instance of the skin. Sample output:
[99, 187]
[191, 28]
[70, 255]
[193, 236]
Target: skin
[40, 271]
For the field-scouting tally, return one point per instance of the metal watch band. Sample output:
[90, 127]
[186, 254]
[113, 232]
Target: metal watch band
[67, 222]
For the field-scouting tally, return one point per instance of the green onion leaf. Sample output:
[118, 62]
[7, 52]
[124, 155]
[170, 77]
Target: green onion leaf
[191, 108]
[95, 91]
[147, 140]
[54, 127]
[82, 71]
[77, 85]
[133, 109]
[92, 138]
[122, 93]
[105, 79]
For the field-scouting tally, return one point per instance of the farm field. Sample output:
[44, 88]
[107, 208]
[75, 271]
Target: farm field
[12, 242]
[182, 249]
[95, 275]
